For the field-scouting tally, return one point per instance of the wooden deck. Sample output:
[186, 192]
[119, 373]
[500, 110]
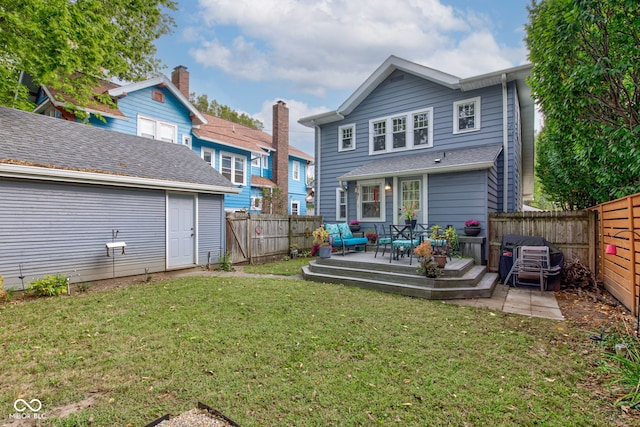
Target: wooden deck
[460, 277]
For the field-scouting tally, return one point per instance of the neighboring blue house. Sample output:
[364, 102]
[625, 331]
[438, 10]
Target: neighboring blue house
[159, 108]
[256, 161]
[457, 149]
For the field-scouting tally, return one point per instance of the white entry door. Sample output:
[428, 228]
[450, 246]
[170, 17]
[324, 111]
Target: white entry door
[181, 231]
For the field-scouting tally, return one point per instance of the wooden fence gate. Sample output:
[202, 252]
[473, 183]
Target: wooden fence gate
[256, 238]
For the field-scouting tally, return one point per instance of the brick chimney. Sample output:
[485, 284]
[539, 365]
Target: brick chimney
[180, 79]
[281, 145]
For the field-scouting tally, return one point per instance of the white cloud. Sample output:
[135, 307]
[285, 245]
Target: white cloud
[320, 45]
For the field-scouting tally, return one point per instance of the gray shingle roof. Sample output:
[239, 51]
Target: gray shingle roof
[435, 161]
[35, 140]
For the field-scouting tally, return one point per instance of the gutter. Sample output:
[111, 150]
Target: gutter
[505, 145]
[79, 177]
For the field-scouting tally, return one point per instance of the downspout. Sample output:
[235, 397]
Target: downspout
[316, 171]
[505, 146]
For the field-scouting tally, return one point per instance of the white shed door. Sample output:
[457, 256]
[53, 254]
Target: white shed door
[181, 232]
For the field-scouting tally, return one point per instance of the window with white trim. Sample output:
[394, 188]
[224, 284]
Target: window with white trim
[341, 204]
[295, 170]
[347, 137]
[208, 155]
[407, 131]
[255, 161]
[295, 207]
[466, 115]
[371, 201]
[186, 140]
[232, 167]
[156, 129]
[256, 203]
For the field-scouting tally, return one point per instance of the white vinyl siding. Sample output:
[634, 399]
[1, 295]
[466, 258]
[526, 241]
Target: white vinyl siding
[408, 131]
[466, 115]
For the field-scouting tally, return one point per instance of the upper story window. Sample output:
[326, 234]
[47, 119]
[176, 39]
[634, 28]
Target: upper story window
[186, 140]
[347, 138]
[406, 131]
[466, 115]
[156, 129]
[232, 167]
[295, 170]
[208, 155]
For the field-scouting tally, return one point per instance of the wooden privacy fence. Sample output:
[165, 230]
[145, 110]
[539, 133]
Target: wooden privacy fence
[572, 232]
[618, 223]
[256, 238]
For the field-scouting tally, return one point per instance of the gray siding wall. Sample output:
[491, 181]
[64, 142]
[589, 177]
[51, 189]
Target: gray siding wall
[492, 189]
[515, 150]
[457, 197]
[211, 238]
[402, 92]
[62, 228]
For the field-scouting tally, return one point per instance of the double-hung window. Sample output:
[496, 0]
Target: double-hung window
[379, 134]
[371, 201]
[347, 137]
[295, 170]
[466, 115]
[232, 167]
[156, 129]
[341, 204]
[208, 155]
[406, 131]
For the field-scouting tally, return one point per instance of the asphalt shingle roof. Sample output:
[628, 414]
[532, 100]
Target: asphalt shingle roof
[431, 162]
[36, 140]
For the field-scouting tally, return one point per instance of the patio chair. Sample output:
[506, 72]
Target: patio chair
[403, 240]
[383, 239]
[532, 266]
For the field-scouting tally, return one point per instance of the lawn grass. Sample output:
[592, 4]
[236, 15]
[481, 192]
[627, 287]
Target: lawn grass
[289, 267]
[285, 352]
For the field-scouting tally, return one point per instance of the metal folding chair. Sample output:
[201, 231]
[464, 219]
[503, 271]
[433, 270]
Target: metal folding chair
[403, 241]
[532, 266]
[383, 239]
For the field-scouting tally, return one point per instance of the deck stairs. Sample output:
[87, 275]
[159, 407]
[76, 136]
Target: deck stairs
[460, 278]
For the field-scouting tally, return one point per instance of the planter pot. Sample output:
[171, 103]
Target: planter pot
[324, 252]
[472, 231]
[441, 260]
[411, 222]
[354, 228]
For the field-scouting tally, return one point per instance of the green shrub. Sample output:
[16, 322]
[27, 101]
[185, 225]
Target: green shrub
[49, 286]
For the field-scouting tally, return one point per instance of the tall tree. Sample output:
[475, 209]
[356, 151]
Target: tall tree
[69, 45]
[201, 102]
[586, 79]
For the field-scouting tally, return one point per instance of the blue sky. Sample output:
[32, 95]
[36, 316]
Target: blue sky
[313, 54]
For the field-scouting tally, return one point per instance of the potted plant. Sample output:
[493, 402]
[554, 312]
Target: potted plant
[354, 225]
[440, 245]
[293, 250]
[321, 238]
[371, 235]
[409, 212]
[472, 227]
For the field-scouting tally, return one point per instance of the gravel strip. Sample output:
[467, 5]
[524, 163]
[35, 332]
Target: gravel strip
[195, 418]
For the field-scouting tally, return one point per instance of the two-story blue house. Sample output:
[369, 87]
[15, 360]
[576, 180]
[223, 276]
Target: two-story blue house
[256, 161]
[159, 108]
[456, 149]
